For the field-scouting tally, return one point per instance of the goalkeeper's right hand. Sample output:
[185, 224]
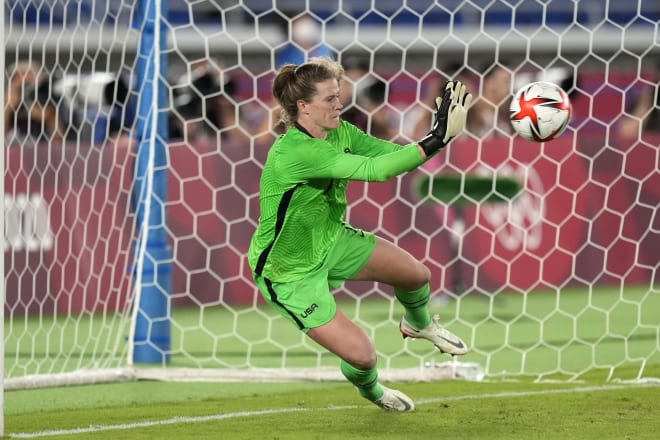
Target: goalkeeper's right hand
[450, 114]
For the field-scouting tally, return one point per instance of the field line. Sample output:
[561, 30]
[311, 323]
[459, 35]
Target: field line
[504, 394]
[198, 419]
[171, 421]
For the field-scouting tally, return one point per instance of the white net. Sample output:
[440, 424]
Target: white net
[544, 256]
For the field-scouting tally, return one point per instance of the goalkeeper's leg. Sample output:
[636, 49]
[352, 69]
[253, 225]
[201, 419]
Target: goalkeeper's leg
[358, 361]
[394, 266]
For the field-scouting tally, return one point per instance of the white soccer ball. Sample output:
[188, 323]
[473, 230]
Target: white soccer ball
[540, 111]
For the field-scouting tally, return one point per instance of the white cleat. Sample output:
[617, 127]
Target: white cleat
[443, 339]
[394, 400]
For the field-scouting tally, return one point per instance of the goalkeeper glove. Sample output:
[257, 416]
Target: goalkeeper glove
[450, 113]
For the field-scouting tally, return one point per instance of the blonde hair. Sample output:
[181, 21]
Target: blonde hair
[294, 83]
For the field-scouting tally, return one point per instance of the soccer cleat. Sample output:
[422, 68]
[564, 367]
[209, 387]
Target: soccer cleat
[443, 339]
[394, 400]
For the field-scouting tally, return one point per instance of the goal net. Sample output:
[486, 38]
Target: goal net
[134, 137]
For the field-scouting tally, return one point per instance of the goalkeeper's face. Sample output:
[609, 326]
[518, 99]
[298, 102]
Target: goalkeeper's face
[322, 112]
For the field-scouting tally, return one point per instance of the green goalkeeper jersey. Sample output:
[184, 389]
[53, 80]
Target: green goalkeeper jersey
[302, 196]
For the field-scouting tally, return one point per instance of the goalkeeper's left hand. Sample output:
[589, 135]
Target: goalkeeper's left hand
[450, 114]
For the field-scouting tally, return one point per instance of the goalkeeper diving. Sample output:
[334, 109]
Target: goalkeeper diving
[303, 247]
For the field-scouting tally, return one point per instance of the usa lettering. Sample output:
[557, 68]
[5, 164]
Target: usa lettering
[309, 310]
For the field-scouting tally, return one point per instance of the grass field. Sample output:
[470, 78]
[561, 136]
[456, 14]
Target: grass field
[450, 409]
[560, 365]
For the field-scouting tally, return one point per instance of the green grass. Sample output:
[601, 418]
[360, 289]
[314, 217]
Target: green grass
[451, 409]
[588, 344]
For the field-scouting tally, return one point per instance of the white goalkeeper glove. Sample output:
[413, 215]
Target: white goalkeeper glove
[450, 114]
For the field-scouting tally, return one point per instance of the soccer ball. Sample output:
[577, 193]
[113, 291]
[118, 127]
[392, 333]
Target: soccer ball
[540, 111]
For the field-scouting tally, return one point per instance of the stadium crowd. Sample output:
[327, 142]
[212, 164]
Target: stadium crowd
[212, 104]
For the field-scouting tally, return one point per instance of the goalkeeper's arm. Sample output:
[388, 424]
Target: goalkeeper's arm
[450, 114]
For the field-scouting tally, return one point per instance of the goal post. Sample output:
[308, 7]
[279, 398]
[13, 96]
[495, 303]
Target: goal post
[133, 153]
[150, 324]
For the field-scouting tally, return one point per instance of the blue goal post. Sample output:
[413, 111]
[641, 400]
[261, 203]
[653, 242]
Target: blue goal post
[150, 337]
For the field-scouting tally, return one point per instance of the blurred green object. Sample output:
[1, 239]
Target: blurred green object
[461, 190]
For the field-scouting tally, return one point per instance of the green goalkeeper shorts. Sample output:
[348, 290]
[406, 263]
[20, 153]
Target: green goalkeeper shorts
[308, 302]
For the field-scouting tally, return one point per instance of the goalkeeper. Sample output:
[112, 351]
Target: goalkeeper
[302, 246]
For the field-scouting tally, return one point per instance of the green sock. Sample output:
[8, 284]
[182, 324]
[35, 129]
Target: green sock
[415, 302]
[366, 381]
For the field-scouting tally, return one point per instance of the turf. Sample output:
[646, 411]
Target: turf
[559, 364]
[450, 409]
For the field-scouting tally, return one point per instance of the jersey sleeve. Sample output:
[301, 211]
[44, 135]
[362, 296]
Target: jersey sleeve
[363, 144]
[316, 158]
